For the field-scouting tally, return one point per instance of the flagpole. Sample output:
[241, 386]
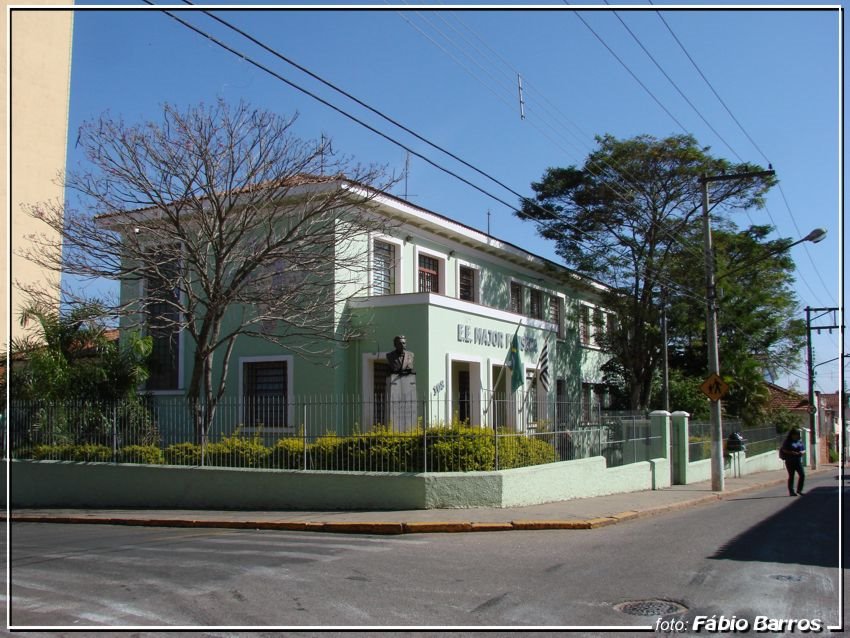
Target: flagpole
[501, 372]
[540, 371]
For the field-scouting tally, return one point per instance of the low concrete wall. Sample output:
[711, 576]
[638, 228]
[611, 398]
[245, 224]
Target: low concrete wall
[698, 471]
[66, 484]
[736, 464]
[572, 479]
[763, 463]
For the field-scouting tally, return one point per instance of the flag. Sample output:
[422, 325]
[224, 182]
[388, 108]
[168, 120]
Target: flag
[543, 366]
[517, 376]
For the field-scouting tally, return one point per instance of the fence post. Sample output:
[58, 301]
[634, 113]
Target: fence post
[427, 416]
[114, 434]
[681, 447]
[496, 446]
[660, 421]
[304, 439]
[203, 437]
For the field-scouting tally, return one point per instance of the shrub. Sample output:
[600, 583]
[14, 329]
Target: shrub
[237, 451]
[385, 451]
[183, 454]
[86, 453]
[288, 454]
[455, 447]
[460, 448]
[525, 451]
[326, 453]
[146, 454]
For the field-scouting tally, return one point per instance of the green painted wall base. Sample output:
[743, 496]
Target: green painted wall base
[105, 485]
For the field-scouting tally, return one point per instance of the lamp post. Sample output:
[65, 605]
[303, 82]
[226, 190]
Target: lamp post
[818, 234]
[717, 482]
[717, 479]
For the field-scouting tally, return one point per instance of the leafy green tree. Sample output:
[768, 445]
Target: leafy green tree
[622, 218]
[71, 357]
[685, 395]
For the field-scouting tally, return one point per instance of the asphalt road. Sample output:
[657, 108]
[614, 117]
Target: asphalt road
[759, 554]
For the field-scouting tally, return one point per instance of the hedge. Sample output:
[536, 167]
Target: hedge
[448, 449]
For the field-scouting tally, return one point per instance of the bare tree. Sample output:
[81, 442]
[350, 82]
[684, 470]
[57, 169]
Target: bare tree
[218, 222]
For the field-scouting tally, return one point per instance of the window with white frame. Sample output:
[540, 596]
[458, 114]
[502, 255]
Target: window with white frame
[535, 304]
[555, 315]
[384, 261]
[584, 325]
[429, 273]
[467, 286]
[162, 302]
[265, 393]
[516, 298]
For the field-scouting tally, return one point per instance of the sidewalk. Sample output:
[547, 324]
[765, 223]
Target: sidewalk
[587, 513]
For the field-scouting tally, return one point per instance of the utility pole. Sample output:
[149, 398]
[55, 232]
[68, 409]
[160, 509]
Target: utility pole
[665, 354]
[813, 408]
[717, 478]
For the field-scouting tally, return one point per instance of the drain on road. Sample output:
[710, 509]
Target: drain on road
[654, 608]
[786, 577]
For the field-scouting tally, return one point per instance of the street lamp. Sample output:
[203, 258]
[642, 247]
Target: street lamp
[717, 478]
[818, 234]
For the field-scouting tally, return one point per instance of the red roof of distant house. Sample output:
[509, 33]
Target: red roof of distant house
[784, 398]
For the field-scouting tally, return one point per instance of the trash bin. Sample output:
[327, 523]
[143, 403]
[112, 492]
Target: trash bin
[736, 443]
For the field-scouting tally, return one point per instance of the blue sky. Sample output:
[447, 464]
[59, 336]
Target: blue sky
[451, 76]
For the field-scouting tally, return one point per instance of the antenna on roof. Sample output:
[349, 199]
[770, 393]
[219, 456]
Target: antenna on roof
[488, 222]
[406, 171]
[521, 98]
[406, 174]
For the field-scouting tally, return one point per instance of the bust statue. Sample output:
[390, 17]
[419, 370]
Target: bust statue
[400, 359]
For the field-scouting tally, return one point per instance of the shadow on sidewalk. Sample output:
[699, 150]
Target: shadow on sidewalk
[803, 533]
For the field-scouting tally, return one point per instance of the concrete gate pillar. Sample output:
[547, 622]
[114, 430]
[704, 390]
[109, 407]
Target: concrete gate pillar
[680, 453]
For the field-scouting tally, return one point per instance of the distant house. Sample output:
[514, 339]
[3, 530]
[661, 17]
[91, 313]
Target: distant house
[830, 426]
[826, 419]
[794, 402]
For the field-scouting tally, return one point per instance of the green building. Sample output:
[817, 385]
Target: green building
[459, 296]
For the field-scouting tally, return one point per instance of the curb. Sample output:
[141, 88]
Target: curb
[395, 528]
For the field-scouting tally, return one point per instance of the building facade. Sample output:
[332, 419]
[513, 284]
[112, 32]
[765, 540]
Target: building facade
[40, 50]
[461, 298]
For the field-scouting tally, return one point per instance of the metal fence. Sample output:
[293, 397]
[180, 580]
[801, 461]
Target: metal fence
[327, 434]
[758, 440]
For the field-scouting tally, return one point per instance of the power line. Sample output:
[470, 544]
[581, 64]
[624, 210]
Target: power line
[710, 86]
[675, 86]
[693, 62]
[683, 290]
[628, 69]
[752, 141]
[396, 123]
[624, 188]
[352, 117]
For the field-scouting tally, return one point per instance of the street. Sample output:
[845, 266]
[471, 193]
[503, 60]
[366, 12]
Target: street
[759, 554]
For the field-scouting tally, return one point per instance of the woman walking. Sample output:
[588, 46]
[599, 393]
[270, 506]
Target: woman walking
[792, 451]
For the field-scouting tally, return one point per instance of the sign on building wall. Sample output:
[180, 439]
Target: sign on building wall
[493, 338]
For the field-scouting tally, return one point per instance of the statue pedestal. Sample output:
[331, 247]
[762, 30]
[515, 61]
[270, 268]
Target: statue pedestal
[402, 402]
